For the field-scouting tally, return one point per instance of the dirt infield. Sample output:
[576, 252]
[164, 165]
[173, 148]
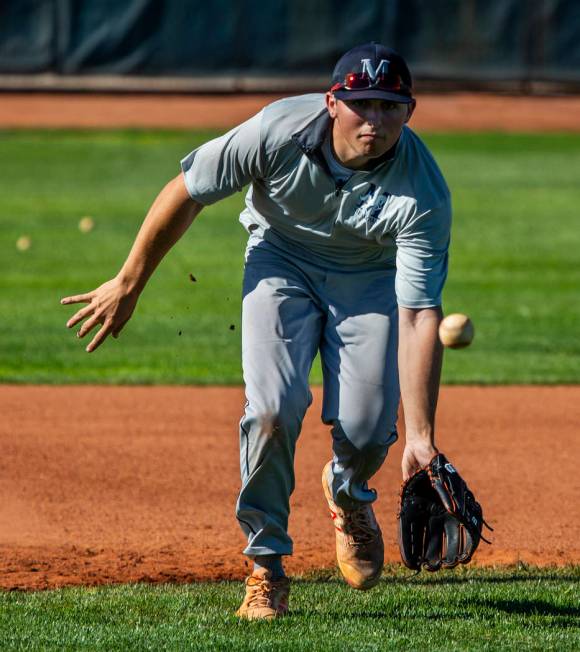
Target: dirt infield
[453, 112]
[115, 484]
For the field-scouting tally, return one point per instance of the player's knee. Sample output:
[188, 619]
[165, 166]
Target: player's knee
[367, 434]
[280, 416]
[362, 446]
[289, 417]
[362, 460]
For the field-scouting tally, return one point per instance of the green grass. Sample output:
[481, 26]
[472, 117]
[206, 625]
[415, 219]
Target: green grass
[514, 260]
[517, 609]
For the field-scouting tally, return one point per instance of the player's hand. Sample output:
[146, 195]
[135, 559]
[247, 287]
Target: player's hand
[417, 454]
[110, 305]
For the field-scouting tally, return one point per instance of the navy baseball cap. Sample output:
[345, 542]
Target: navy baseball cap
[372, 71]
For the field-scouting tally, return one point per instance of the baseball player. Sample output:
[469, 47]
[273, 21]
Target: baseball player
[348, 218]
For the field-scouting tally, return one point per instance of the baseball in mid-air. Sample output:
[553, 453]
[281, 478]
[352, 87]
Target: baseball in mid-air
[86, 224]
[456, 331]
[23, 243]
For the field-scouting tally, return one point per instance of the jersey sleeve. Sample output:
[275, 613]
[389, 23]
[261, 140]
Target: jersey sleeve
[422, 258]
[225, 165]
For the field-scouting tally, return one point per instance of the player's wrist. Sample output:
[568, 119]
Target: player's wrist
[421, 437]
[422, 449]
[130, 282]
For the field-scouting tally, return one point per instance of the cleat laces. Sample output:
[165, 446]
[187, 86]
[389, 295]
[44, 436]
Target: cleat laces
[263, 592]
[359, 525]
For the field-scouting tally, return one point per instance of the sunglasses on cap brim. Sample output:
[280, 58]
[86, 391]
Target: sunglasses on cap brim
[359, 81]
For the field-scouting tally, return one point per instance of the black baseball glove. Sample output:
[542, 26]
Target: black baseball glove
[440, 521]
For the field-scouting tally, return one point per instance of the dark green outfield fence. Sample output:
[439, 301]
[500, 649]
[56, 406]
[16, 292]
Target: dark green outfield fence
[475, 41]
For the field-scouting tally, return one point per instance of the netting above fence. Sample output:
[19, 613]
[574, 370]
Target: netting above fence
[475, 40]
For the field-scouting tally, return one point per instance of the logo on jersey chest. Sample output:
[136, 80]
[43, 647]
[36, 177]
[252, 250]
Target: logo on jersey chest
[371, 204]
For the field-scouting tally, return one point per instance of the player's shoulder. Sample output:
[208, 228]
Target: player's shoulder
[296, 109]
[285, 117]
[429, 184]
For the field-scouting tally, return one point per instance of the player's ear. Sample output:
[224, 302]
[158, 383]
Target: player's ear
[331, 102]
[410, 109]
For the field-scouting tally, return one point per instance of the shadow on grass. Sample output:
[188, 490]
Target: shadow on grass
[507, 579]
[438, 579]
[485, 609]
[529, 607]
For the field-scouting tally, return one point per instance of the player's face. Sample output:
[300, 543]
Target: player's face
[365, 129]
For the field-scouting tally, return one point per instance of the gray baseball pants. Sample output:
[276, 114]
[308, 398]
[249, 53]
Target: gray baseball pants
[292, 309]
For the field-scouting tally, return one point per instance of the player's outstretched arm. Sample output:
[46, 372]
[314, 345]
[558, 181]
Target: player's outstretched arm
[420, 359]
[112, 304]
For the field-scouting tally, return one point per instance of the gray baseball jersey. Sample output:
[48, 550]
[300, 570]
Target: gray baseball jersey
[396, 215]
[332, 252]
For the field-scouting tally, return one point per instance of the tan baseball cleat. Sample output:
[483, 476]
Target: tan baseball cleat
[359, 541]
[265, 598]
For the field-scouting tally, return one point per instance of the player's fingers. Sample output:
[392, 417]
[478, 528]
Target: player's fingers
[99, 338]
[88, 325]
[77, 317]
[117, 330]
[408, 472]
[77, 298]
[409, 466]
